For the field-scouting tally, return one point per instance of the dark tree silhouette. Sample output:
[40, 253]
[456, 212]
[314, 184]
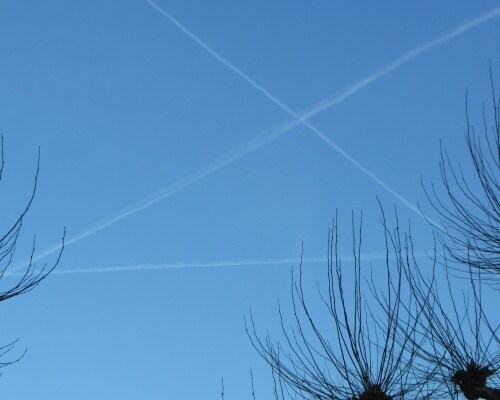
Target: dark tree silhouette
[469, 209]
[462, 340]
[367, 352]
[463, 335]
[18, 281]
[422, 332]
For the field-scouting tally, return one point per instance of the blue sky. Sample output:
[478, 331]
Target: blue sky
[157, 157]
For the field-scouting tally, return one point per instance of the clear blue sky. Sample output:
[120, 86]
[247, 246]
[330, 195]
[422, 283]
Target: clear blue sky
[150, 158]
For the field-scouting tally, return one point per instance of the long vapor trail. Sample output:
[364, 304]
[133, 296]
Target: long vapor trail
[269, 135]
[229, 157]
[302, 118]
[290, 261]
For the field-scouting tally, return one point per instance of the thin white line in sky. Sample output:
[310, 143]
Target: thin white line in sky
[228, 158]
[216, 264]
[269, 135]
[464, 27]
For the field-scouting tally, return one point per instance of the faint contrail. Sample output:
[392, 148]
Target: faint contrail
[229, 157]
[464, 27]
[217, 264]
[270, 135]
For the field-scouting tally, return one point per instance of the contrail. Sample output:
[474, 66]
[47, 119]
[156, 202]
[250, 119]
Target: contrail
[270, 135]
[346, 94]
[231, 156]
[216, 264]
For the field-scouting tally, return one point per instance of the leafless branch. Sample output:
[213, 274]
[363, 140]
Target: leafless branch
[367, 354]
[470, 207]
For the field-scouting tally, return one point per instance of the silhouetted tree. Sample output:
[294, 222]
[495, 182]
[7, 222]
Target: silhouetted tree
[366, 352]
[462, 334]
[424, 334]
[15, 282]
[469, 207]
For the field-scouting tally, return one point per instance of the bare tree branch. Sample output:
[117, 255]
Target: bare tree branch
[31, 275]
[368, 354]
[470, 208]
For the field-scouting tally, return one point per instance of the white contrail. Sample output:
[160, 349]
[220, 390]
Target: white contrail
[464, 27]
[268, 136]
[290, 261]
[231, 156]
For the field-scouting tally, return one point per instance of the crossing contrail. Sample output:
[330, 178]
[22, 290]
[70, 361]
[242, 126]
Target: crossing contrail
[290, 261]
[302, 119]
[269, 135]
